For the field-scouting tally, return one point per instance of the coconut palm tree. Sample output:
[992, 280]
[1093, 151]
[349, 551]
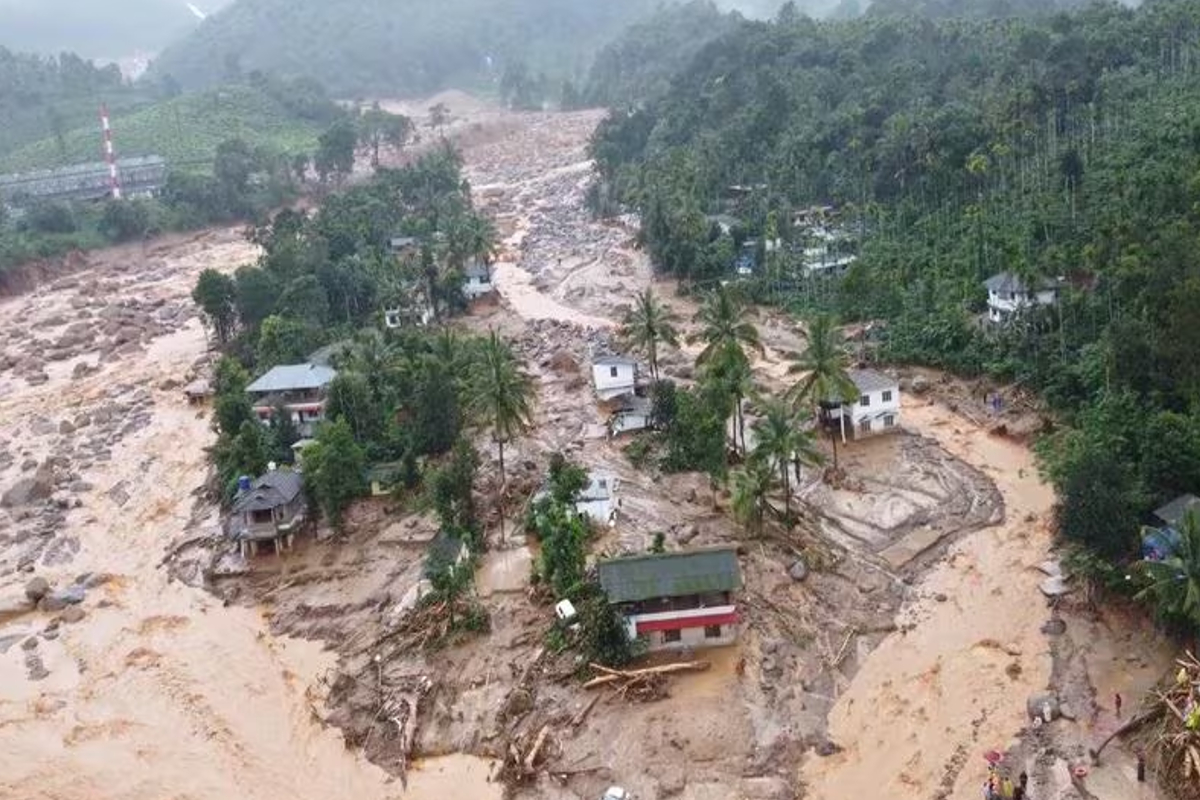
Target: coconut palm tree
[646, 325]
[780, 441]
[502, 397]
[752, 486]
[727, 335]
[724, 327]
[824, 365]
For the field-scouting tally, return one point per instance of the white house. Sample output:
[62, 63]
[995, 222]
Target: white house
[633, 414]
[598, 501]
[1008, 294]
[477, 280]
[877, 409]
[614, 376]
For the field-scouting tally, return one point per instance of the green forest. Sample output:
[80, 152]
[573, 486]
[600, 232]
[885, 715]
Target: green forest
[396, 49]
[1062, 147]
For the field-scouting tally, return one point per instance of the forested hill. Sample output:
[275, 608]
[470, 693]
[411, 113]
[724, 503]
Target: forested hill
[641, 61]
[1058, 147]
[382, 46]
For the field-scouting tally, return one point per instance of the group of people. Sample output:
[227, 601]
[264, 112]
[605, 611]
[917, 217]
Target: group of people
[1001, 787]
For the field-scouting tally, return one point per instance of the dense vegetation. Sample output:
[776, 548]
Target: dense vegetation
[396, 48]
[1064, 146]
[284, 116]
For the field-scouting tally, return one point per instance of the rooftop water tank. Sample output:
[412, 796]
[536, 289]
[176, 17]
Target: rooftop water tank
[244, 483]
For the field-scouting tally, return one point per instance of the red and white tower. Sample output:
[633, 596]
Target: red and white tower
[113, 182]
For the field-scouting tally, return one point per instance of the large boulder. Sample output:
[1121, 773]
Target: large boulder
[1043, 705]
[37, 588]
[29, 490]
[798, 571]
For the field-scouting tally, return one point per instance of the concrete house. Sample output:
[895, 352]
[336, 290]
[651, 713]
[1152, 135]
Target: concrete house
[477, 280]
[1008, 294]
[598, 500]
[876, 410]
[614, 376]
[299, 388]
[632, 413]
[268, 509]
[679, 600]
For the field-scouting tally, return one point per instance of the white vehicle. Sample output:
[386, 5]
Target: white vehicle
[616, 793]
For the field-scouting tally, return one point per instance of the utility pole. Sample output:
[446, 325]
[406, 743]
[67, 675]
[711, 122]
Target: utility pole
[114, 183]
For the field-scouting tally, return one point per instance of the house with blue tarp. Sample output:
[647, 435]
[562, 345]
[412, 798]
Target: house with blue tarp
[1162, 542]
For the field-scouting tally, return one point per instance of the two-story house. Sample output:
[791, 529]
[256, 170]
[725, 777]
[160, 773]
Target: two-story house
[875, 410]
[299, 389]
[673, 601]
[1008, 294]
[477, 279]
[269, 508]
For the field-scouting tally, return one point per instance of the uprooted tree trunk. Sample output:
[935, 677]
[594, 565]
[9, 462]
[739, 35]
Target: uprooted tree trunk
[641, 684]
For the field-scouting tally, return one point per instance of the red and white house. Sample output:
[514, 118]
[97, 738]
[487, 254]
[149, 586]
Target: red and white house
[676, 600]
[299, 389]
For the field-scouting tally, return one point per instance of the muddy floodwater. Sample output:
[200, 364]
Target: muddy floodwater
[150, 687]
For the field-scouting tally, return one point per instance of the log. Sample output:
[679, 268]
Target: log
[664, 669]
[531, 758]
[578, 719]
[601, 681]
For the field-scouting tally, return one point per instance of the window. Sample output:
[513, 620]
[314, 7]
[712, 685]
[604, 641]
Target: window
[865, 400]
[865, 426]
[612, 372]
[712, 631]
[887, 396]
[889, 421]
[672, 636]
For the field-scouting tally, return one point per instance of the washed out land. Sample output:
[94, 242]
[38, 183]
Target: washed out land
[907, 651]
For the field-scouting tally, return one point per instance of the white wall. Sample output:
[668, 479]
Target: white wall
[691, 637]
[881, 404]
[604, 379]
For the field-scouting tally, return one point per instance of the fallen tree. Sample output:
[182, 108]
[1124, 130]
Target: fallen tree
[641, 684]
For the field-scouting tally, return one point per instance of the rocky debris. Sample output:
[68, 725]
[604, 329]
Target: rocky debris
[37, 588]
[35, 669]
[1054, 627]
[1055, 586]
[60, 599]
[72, 614]
[686, 533]
[29, 644]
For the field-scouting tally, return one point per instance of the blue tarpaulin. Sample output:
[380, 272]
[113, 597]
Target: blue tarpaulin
[1159, 543]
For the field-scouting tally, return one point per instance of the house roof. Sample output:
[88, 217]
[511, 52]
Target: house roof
[643, 577]
[1010, 282]
[1173, 512]
[385, 472]
[476, 269]
[290, 377]
[868, 380]
[276, 488]
[605, 361]
[401, 242]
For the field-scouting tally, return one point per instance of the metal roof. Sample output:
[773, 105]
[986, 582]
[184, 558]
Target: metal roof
[276, 488]
[599, 487]
[290, 377]
[1173, 512]
[868, 380]
[1010, 282]
[644, 577]
[476, 269]
[613, 360]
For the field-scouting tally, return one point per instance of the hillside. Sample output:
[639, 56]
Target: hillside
[94, 29]
[380, 46]
[185, 129]
[1064, 150]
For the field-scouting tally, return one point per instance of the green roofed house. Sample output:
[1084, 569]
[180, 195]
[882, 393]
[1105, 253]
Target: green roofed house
[676, 600]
